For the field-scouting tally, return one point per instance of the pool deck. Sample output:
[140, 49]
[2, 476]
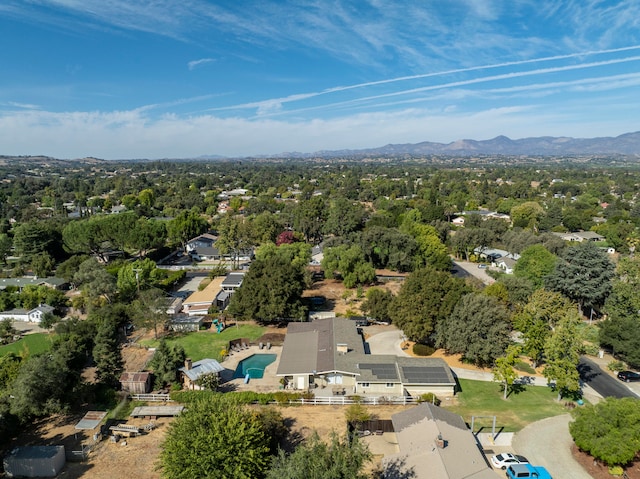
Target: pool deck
[268, 383]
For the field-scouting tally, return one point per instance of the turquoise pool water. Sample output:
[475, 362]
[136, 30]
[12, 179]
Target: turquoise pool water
[254, 365]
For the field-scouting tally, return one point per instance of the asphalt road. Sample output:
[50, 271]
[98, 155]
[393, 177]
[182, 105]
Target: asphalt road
[601, 382]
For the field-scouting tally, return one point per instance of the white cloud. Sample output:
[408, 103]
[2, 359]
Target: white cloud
[131, 134]
[197, 63]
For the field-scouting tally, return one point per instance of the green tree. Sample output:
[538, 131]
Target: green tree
[426, 298]
[527, 215]
[147, 235]
[340, 458]
[6, 243]
[309, 218]
[209, 381]
[43, 386]
[608, 430]
[504, 371]
[377, 303]
[185, 226]
[535, 263]
[87, 237]
[297, 253]
[150, 310]
[344, 217]
[7, 330]
[107, 354]
[583, 274]
[67, 269]
[215, 439]
[478, 328]
[94, 280]
[537, 319]
[234, 237]
[270, 291]
[42, 264]
[388, 248]
[349, 263]
[166, 361]
[562, 354]
[620, 331]
[31, 239]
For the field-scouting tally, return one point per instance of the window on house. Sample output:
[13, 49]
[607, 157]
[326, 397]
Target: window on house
[390, 385]
[365, 385]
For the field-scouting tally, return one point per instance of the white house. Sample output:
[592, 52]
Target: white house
[34, 315]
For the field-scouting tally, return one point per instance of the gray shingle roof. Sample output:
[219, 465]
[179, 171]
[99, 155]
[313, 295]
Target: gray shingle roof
[199, 368]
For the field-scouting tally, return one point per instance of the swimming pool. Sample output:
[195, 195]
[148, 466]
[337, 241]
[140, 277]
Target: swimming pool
[254, 365]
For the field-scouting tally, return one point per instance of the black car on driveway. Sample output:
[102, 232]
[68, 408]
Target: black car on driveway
[628, 376]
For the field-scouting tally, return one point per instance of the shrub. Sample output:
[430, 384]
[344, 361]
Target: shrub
[590, 349]
[423, 349]
[616, 366]
[616, 471]
[429, 397]
[524, 367]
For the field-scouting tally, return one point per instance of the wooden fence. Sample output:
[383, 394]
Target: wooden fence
[346, 400]
[150, 397]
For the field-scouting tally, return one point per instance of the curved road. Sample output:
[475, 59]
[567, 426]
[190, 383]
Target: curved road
[599, 380]
[548, 443]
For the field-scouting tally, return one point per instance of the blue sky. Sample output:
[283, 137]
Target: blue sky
[182, 78]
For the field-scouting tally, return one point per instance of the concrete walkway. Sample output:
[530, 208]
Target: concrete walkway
[548, 443]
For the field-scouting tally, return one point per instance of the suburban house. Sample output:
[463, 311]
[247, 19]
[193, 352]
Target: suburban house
[580, 236]
[232, 282]
[506, 264]
[34, 315]
[136, 383]
[330, 353]
[205, 240]
[317, 254]
[52, 282]
[191, 372]
[435, 444]
[199, 302]
[216, 294]
[493, 254]
[211, 253]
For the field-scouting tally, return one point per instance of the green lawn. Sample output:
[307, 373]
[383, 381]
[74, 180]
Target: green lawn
[29, 344]
[208, 344]
[480, 398]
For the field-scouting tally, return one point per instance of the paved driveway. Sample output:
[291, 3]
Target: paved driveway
[387, 342]
[548, 443]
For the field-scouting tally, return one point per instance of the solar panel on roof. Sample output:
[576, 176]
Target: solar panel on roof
[418, 374]
[381, 370]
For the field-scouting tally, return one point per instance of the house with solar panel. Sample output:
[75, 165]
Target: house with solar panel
[328, 356]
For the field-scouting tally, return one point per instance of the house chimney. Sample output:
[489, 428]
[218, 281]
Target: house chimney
[187, 364]
[441, 443]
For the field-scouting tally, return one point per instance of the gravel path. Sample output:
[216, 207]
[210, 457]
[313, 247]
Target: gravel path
[548, 443]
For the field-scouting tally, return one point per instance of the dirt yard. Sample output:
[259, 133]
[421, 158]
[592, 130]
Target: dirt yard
[137, 456]
[338, 301]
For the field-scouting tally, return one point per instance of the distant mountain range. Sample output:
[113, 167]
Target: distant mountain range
[627, 144]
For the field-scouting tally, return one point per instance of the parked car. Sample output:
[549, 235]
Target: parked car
[502, 461]
[628, 376]
[482, 266]
[517, 471]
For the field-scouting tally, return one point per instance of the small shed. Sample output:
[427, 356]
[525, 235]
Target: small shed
[35, 461]
[136, 382]
[185, 323]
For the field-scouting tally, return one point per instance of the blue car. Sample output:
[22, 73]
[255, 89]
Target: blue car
[517, 471]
